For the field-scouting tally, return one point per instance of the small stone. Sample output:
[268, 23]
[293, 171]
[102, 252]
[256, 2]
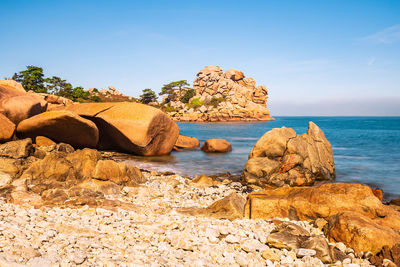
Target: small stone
[301, 252]
[341, 247]
[232, 239]
[269, 254]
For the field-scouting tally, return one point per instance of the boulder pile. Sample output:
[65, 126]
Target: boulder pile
[223, 96]
[123, 126]
[282, 157]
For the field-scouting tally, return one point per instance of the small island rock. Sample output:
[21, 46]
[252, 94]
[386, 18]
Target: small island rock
[282, 157]
[216, 145]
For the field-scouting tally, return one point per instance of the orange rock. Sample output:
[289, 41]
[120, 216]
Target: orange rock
[234, 74]
[360, 232]
[187, 142]
[131, 127]
[309, 203]
[216, 145]
[11, 85]
[7, 129]
[44, 141]
[378, 193]
[282, 157]
[61, 126]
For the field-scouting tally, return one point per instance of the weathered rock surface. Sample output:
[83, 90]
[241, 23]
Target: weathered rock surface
[7, 129]
[282, 157]
[10, 86]
[44, 141]
[230, 207]
[61, 126]
[392, 254]
[60, 175]
[187, 142]
[224, 97]
[216, 145]
[130, 127]
[18, 105]
[16, 149]
[368, 218]
[361, 232]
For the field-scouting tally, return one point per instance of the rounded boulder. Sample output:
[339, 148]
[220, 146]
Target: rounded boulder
[216, 145]
[61, 126]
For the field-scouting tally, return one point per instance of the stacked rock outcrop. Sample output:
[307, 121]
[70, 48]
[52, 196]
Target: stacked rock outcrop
[224, 96]
[283, 157]
[125, 126]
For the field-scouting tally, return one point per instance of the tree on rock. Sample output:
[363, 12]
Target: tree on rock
[175, 90]
[58, 86]
[148, 96]
[31, 79]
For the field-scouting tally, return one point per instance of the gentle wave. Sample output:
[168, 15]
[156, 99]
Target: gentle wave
[351, 157]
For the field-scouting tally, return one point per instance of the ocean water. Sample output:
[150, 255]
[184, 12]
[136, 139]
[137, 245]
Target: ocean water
[366, 149]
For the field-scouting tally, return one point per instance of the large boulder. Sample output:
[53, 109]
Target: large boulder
[18, 105]
[187, 142]
[216, 145]
[282, 157]
[234, 75]
[7, 129]
[355, 215]
[61, 126]
[360, 232]
[60, 175]
[10, 86]
[130, 127]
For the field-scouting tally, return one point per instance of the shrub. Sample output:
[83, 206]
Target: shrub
[188, 95]
[196, 102]
[169, 109]
[215, 101]
[95, 98]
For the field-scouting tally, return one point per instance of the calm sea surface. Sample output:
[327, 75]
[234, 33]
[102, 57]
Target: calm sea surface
[366, 149]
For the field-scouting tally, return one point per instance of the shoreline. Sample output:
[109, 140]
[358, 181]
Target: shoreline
[154, 231]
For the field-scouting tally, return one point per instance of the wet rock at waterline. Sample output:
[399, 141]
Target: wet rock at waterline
[282, 157]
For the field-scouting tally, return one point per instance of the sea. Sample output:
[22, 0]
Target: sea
[366, 149]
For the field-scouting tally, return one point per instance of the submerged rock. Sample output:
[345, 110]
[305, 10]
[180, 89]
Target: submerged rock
[282, 157]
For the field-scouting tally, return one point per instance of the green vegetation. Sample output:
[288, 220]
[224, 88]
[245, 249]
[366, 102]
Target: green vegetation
[169, 109]
[188, 95]
[175, 90]
[148, 96]
[33, 79]
[215, 101]
[196, 103]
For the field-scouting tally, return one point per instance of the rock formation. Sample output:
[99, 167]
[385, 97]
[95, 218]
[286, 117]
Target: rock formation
[16, 104]
[187, 142]
[61, 126]
[130, 127]
[355, 215]
[216, 145]
[281, 157]
[223, 96]
[60, 175]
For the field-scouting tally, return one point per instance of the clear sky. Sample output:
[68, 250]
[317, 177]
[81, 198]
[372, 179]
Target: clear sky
[315, 57]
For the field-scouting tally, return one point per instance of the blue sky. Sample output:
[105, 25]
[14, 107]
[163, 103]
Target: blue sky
[315, 57]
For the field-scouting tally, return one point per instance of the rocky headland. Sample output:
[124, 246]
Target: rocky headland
[222, 96]
[65, 200]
